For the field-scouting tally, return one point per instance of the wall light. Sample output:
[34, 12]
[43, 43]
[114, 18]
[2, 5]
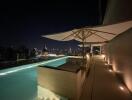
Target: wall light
[106, 64]
[87, 56]
[121, 88]
[103, 56]
[110, 70]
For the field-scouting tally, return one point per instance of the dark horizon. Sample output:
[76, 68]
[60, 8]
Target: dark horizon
[24, 23]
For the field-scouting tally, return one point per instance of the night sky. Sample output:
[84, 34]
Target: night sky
[23, 23]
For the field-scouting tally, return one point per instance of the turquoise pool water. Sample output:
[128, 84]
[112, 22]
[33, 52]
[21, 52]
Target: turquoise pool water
[56, 63]
[20, 83]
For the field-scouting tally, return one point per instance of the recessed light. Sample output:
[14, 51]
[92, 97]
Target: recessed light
[110, 70]
[121, 87]
[103, 56]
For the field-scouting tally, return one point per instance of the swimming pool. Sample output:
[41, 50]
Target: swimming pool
[51, 63]
[20, 83]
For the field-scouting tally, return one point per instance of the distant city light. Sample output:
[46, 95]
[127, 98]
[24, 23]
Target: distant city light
[54, 55]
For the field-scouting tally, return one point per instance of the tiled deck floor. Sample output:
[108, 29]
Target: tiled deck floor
[102, 84]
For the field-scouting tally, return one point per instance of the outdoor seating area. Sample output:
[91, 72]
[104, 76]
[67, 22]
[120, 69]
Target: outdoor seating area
[66, 50]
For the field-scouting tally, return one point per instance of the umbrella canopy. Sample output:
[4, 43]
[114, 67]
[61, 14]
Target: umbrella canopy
[94, 34]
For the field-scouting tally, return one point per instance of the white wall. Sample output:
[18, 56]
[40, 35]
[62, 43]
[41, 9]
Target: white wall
[119, 54]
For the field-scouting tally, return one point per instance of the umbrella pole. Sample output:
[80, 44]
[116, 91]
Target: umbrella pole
[83, 53]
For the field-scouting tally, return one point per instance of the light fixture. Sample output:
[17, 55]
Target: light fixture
[87, 56]
[103, 56]
[121, 88]
[106, 64]
[110, 70]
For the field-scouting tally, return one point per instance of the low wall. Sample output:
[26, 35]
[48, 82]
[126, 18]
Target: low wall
[64, 83]
[119, 54]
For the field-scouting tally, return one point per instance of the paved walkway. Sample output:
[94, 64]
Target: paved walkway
[101, 84]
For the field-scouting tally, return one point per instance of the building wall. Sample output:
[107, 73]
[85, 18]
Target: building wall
[119, 53]
[118, 11]
[119, 50]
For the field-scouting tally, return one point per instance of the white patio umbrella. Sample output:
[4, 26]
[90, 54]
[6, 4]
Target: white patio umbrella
[93, 34]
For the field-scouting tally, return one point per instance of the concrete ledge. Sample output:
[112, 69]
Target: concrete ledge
[64, 83]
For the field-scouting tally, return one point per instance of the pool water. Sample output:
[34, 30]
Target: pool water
[56, 63]
[20, 83]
